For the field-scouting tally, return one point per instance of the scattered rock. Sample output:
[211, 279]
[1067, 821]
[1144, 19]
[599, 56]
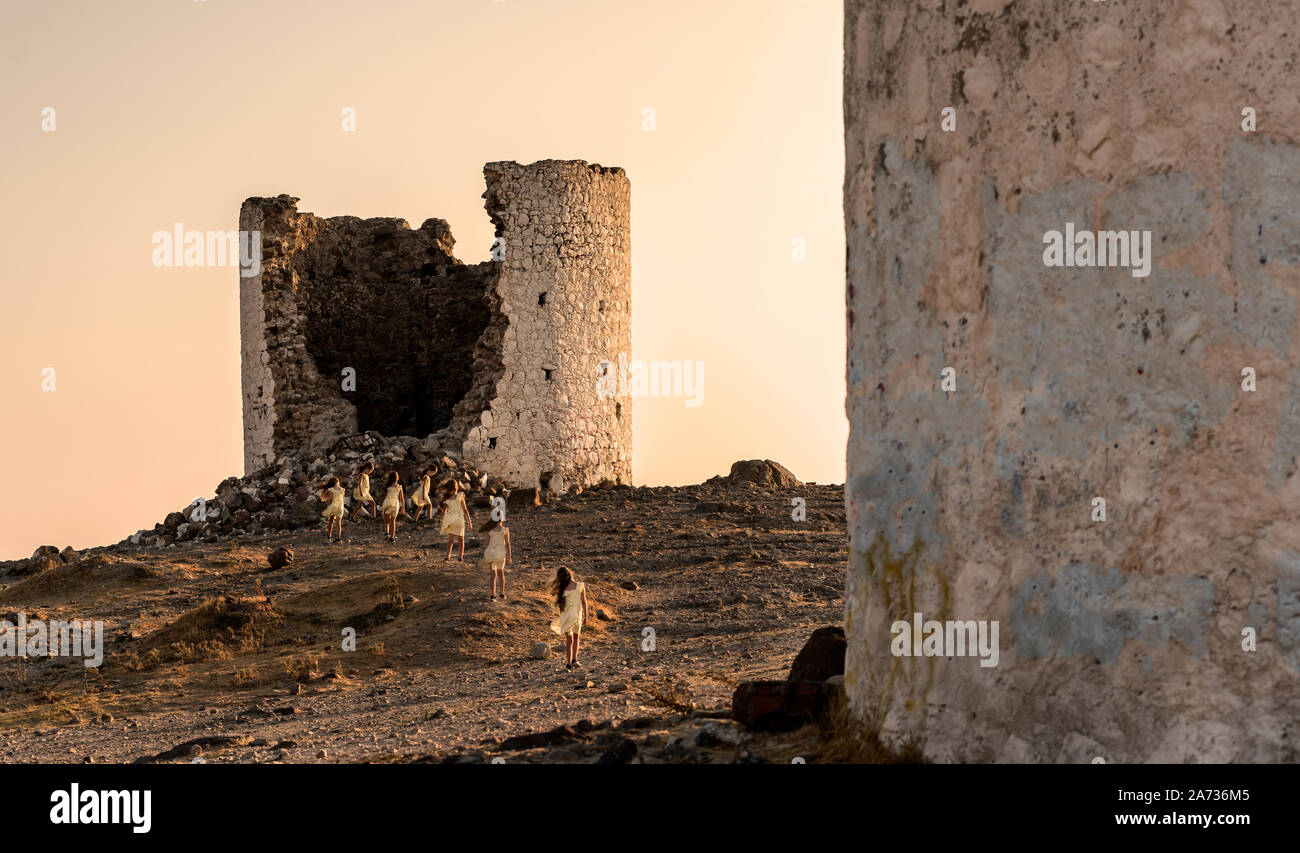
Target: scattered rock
[557, 736]
[621, 751]
[720, 507]
[279, 558]
[821, 657]
[764, 473]
[523, 497]
[285, 495]
[780, 706]
[540, 651]
[197, 746]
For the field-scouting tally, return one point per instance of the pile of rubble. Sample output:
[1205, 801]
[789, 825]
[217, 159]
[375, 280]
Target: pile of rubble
[286, 495]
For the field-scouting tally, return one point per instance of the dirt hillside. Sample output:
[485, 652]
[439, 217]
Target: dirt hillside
[211, 655]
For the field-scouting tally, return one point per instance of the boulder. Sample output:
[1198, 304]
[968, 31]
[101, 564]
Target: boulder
[620, 751]
[764, 473]
[540, 651]
[306, 513]
[782, 706]
[43, 558]
[279, 558]
[821, 657]
[523, 497]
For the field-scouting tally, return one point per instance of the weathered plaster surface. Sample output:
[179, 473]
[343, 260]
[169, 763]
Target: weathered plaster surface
[1120, 639]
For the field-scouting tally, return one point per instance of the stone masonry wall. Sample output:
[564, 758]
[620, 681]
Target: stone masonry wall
[460, 352]
[565, 291]
[1123, 639]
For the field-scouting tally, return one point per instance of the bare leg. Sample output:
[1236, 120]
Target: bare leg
[451, 540]
[577, 642]
[462, 548]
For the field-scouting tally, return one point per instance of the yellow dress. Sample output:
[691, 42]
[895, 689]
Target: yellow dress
[335, 508]
[570, 619]
[362, 491]
[453, 522]
[421, 496]
[392, 503]
[494, 555]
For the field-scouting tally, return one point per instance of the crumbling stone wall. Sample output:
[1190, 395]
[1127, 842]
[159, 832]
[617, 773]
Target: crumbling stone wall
[565, 292]
[354, 325]
[1121, 639]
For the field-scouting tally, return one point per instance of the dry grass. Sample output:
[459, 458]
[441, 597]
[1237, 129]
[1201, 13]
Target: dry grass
[245, 676]
[848, 740]
[304, 668]
[218, 629]
[94, 573]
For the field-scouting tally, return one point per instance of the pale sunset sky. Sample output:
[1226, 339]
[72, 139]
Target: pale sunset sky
[171, 111]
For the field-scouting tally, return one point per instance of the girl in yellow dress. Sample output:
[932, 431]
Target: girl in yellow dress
[571, 600]
[455, 517]
[394, 503]
[333, 495]
[421, 496]
[497, 554]
[361, 494]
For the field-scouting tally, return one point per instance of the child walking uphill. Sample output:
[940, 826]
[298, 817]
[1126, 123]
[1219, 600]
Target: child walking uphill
[455, 517]
[497, 554]
[571, 600]
[421, 496]
[333, 514]
[361, 494]
[394, 502]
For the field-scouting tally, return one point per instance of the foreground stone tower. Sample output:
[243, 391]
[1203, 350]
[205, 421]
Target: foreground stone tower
[354, 325]
[1170, 630]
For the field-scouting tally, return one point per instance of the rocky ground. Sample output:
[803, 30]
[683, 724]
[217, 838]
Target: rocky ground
[211, 655]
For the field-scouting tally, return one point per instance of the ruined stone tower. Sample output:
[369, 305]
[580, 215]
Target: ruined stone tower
[1164, 624]
[352, 325]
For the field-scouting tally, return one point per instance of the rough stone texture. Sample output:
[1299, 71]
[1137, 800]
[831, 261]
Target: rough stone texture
[1120, 639]
[763, 472]
[565, 291]
[821, 657]
[471, 352]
